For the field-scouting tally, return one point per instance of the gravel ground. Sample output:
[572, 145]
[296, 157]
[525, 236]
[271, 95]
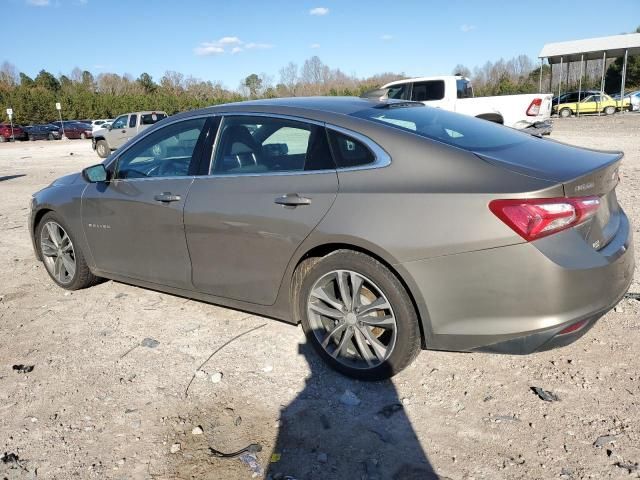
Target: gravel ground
[104, 401]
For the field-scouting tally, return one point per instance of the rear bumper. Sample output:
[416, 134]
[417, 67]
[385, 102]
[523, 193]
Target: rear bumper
[518, 299]
[540, 128]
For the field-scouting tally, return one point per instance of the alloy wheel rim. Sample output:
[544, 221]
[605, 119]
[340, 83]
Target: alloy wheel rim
[352, 319]
[58, 252]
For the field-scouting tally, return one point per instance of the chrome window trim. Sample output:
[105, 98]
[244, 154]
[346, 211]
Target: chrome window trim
[382, 158]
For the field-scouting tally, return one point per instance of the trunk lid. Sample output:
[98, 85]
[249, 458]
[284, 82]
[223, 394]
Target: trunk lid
[581, 172]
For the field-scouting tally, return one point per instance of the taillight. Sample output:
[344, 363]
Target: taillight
[536, 218]
[534, 107]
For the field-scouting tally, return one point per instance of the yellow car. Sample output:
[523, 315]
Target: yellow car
[600, 102]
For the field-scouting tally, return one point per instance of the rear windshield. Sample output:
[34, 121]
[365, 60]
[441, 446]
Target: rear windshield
[451, 128]
[151, 118]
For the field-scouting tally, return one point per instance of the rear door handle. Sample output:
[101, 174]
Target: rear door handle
[292, 200]
[166, 197]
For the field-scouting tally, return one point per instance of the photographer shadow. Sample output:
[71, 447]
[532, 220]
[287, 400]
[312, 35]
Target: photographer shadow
[339, 428]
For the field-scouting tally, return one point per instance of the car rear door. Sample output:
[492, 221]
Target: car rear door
[271, 182]
[134, 223]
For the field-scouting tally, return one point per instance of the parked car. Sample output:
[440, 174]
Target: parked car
[123, 128]
[74, 130]
[43, 132]
[633, 97]
[529, 112]
[598, 102]
[570, 97]
[102, 123]
[5, 133]
[367, 221]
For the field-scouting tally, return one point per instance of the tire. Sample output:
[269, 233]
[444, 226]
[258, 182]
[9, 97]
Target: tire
[31, 138]
[102, 148]
[50, 137]
[57, 267]
[349, 348]
[2, 139]
[566, 113]
[609, 110]
[83, 136]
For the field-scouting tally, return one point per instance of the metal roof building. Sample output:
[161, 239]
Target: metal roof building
[591, 49]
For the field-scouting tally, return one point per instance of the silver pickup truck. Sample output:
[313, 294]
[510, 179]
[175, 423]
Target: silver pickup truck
[123, 128]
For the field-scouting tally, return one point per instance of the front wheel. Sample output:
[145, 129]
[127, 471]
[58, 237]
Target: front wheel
[609, 110]
[61, 255]
[357, 315]
[565, 112]
[31, 138]
[102, 149]
[50, 136]
[83, 136]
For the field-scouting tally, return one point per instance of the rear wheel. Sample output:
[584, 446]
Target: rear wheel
[609, 110]
[565, 112]
[61, 255]
[102, 149]
[50, 136]
[357, 315]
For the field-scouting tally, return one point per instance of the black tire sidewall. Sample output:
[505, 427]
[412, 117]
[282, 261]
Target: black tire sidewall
[408, 333]
[79, 279]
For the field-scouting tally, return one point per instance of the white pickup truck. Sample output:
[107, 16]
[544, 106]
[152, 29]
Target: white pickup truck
[527, 112]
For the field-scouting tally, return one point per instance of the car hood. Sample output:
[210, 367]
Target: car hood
[66, 180]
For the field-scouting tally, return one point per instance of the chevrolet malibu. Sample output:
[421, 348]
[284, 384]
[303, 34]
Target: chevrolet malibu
[384, 227]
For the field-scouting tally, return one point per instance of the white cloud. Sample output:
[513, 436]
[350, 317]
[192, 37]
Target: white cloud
[314, 45]
[386, 37]
[231, 45]
[207, 48]
[319, 11]
[229, 41]
[38, 3]
[467, 28]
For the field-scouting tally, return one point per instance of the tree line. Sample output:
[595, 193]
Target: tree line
[107, 95]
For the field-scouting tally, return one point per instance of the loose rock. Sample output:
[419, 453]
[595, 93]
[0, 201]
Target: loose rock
[216, 377]
[175, 448]
[349, 398]
[197, 430]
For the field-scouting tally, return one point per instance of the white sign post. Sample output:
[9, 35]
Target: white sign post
[59, 108]
[10, 113]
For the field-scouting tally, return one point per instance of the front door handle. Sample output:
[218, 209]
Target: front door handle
[292, 200]
[166, 197]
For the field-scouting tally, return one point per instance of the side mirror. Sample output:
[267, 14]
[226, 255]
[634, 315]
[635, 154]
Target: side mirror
[95, 173]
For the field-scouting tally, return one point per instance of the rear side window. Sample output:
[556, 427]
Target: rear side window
[463, 88]
[132, 121]
[349, 152]
[261, 145]
[425, 91]
[151, 118]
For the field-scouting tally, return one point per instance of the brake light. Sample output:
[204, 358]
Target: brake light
[534, 107]
[536, 218]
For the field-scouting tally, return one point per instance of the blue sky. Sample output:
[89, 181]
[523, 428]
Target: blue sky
[227, 40]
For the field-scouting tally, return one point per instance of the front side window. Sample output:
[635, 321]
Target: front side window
[167, 152]
[252, 145]
[426, 91]
[397, 92]
[132, 121]
[121, 122]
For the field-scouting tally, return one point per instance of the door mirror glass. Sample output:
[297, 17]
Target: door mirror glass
[95, 173]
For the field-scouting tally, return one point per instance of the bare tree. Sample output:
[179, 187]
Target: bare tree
[8, 75]
[289, 77]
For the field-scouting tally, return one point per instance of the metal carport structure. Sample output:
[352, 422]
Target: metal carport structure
[590, 49]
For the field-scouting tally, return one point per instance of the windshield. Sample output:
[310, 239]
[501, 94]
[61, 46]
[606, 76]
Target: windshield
[451, 128]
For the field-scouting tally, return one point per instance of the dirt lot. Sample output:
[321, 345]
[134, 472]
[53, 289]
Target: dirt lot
[93, 407]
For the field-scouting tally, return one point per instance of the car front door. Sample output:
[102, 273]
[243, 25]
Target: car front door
[271, 182]
[117, 135]
[134, 222]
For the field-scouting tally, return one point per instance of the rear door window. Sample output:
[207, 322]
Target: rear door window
[151, 118]
[262, 145]
[426, 91]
